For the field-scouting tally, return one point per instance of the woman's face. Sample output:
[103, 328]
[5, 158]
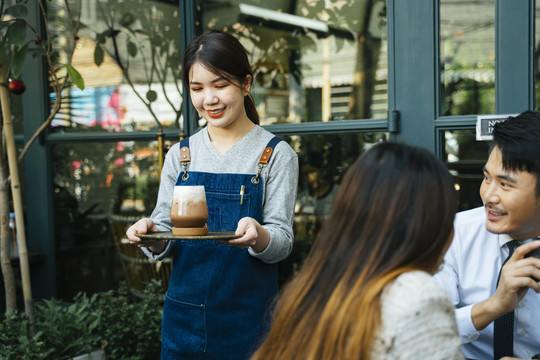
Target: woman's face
[219, 101]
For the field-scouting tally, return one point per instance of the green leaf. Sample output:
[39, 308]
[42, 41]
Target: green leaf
[16, 32]
[127, 19]
[18, 11]
[18, 61]
[75, 76]
[100, 38]
[151, 95]
[98, 55]
[132, 49]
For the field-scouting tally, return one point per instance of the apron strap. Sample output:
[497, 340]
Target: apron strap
[185, 157]
[265, 157]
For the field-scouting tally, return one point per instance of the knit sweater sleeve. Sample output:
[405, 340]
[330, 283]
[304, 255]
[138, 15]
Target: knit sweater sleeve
[417, 321]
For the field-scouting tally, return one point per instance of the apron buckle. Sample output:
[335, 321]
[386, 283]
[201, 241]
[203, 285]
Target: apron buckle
[255, 180]
[185, 159]
[185, 175]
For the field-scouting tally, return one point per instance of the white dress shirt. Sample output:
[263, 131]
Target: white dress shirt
[469, 275]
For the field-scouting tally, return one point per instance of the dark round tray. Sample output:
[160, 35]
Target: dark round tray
[168, 235]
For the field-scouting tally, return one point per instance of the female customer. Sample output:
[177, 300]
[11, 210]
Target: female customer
[219, 293]
[366, 291]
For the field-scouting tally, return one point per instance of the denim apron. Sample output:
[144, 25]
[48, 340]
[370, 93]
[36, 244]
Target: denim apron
[218, 300]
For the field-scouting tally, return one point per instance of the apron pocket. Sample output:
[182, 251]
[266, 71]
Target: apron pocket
[183, 327]
[224, 210]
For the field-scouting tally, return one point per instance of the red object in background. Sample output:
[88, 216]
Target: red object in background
[16, 86]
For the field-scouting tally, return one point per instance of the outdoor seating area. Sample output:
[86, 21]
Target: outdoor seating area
[117, 114]
[138, 269]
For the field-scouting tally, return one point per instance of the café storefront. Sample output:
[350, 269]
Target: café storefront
[332, 78]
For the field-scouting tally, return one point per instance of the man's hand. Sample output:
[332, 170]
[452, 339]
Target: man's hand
[516, 279]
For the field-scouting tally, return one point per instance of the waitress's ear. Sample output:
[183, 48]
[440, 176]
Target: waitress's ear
[246, 87]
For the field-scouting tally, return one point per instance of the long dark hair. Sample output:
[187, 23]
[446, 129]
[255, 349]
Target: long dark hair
[225, 56]
[393, 213]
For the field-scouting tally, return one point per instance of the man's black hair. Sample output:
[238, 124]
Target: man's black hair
[518, 139]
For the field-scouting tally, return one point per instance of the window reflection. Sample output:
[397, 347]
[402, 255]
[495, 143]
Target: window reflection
[130, 62]
[98, 183]
[312, 60]
[93, 182]
[467, 55]
[465, 157]
[323, 160]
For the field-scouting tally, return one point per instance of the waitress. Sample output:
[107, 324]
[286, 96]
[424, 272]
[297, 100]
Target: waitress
[220, 292]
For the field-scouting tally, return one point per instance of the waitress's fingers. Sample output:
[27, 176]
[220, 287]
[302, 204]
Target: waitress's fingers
[140, 227]
[254, 234]
[247, 228]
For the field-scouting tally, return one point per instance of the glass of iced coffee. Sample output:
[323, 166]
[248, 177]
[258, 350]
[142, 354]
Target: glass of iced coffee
[189, 211]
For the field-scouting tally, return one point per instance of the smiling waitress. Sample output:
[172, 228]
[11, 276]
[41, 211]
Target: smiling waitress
[220, 293]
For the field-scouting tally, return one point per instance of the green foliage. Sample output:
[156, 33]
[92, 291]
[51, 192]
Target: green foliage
[14, 342]
[131, 329]
[15, 46]
[75, 76]
[124, 326]
[144, 44]
[68, 329]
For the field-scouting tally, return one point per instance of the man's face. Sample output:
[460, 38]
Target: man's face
[510, 200]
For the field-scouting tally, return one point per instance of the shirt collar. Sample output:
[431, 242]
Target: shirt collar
[503, 239]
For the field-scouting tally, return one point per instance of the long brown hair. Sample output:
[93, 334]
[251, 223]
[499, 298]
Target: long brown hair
[225, 56]
[393, 213]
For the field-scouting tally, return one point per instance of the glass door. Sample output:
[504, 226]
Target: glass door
[454, 60]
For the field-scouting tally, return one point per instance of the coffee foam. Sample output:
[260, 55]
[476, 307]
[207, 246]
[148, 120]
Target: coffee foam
[189, 193]
[189, 203]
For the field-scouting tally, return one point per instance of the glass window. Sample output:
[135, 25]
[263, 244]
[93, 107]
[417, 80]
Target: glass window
[93, 182]
[467, 56]
[313, 60]
[465, 158]
[323, 160]
[537, 57]
[100, 185]
[130, 62]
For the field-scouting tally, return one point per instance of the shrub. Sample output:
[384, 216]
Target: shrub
[124, 326]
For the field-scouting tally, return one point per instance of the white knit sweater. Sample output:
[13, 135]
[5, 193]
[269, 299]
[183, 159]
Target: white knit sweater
[417, 321]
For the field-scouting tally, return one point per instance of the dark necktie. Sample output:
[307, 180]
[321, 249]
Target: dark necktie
[503, 333]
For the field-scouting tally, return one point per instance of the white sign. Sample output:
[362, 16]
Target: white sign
[485, 124]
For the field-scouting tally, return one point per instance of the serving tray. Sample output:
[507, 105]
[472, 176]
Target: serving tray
[168, 235]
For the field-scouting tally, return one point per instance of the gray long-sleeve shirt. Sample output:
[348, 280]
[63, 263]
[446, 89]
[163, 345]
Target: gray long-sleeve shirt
[280, 180]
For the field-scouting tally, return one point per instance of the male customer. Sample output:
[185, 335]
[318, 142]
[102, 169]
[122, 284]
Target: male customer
[483, 240]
